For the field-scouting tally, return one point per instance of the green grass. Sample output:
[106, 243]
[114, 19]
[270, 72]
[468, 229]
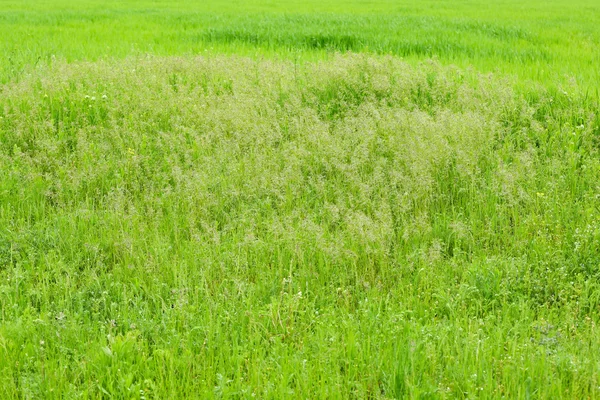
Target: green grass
[547, 41]
[274, 219]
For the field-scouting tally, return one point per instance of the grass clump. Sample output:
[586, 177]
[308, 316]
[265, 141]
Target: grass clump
[359, 227]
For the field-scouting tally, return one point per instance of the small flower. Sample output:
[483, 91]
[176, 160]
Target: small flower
[540, 194]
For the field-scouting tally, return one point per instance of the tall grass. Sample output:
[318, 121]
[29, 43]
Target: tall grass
[546, 41]
[357, 227]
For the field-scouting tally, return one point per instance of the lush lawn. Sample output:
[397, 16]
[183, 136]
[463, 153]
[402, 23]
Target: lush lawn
[209, 200]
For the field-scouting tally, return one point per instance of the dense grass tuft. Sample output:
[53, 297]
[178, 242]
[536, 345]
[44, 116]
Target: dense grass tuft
[359, 227]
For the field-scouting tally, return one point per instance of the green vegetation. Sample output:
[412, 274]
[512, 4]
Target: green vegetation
[292, 222]
[545, 40]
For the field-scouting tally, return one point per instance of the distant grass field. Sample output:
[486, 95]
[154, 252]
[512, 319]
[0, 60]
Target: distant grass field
[294, 200]
[547, 41]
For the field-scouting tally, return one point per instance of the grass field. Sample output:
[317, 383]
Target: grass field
[546, 40]
[299, 199]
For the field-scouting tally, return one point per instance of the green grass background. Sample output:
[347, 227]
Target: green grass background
[225, 200]
[548, 41]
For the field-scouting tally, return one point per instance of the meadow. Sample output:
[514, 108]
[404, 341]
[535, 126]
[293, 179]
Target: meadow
[299, 199]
